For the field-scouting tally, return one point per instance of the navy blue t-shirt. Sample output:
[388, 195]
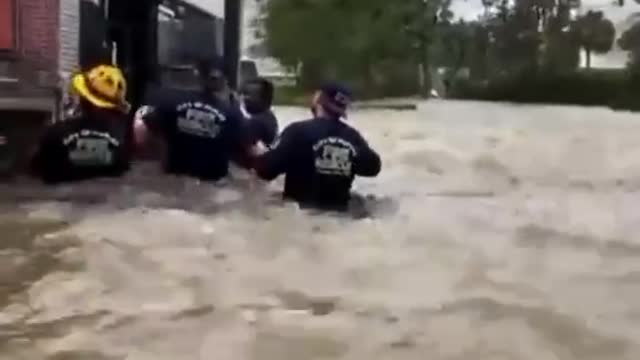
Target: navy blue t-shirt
[201, 133]
[320, 159]
[82, 148]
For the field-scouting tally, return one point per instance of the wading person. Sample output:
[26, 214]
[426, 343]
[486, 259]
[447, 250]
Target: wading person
[320, 157]
[91, 142]
[201, 130]
[257, 99]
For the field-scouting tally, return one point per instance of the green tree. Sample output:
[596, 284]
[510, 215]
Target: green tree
[479, 52]
[515, 38]
[304, 32]
[372, 43]
[521, 36]
[594, 33]
[454, 48]
[419, 19]
[561, 50]
[630, 42]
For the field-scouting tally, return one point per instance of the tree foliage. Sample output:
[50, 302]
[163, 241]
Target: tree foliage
[594, 33]
[380, 45]
[630, 42]
[538, 35]
[371, 42]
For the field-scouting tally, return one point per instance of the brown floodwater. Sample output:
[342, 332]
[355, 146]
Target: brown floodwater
[495, 232]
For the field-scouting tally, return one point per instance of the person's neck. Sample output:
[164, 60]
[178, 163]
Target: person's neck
[321, 113]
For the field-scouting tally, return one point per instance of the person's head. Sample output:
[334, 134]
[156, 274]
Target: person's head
[103, 87]
[331, 101]
[211, 76]
[257, 95]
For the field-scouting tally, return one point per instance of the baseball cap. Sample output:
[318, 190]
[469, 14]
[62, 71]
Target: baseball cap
[336, 97]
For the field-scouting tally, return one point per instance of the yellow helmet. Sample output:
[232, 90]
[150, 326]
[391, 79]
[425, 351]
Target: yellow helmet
[103, 86]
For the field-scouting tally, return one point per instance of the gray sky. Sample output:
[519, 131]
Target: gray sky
[469, 9]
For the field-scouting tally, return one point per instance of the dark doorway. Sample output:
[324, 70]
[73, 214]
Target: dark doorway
[132, 38]
[93, 35]
[131, 43]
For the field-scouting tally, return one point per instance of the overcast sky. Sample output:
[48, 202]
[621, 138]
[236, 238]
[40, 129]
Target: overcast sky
[469, 9]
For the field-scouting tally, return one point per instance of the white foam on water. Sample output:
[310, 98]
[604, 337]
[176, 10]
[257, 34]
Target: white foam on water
[499, 232]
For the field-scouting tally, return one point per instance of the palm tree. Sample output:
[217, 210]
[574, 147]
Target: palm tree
[630, 42]
[594, 33]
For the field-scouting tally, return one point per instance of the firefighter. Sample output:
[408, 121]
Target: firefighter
[254, 102]
[320, 157]
[201, 130]
[91, 142]
[257, 98]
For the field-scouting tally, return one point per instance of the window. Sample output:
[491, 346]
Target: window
[7, 25]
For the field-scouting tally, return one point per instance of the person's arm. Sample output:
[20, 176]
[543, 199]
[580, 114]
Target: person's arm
[152, 120]
[270, 128]
[367, 162]
[151, 127]
[146, 123]
[264, 128]
[275, 162]
[240, 138]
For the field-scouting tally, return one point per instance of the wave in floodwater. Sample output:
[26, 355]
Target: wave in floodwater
[494, 232]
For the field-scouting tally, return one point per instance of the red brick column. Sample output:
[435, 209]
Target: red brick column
[38, 32]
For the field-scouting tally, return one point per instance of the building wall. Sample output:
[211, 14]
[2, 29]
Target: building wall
[29, 101]
[7, 28]
[38, 32]
[48, 38]
[32, 64]
[69, 19]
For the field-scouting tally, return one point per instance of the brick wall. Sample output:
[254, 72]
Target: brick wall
[38, 32]
[31, 102]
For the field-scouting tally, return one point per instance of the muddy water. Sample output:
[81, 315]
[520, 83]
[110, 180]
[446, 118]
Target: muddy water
[496, 232]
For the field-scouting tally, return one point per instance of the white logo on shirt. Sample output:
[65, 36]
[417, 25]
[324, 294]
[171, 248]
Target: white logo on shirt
[91, 148]
[200, 119]
[334, 156]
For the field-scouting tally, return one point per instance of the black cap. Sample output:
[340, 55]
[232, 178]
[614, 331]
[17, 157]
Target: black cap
[336, 97]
